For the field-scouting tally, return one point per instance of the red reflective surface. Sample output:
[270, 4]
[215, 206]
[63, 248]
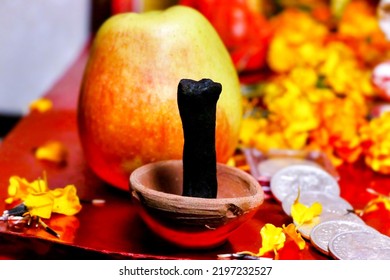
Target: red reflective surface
[114, 230]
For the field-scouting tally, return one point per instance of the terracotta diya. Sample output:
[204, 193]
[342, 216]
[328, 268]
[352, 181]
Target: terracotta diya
[195, 202]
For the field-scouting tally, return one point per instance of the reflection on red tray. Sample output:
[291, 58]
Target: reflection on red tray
[264, 165]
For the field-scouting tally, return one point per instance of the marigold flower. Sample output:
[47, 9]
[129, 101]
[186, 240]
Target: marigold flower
[319, 95]
[376, 143]
[41, 105]
[40, 200]
[266, 140]
[296, 41]
[337, 7]
[358, 20]
[249, 127]
[359, 26]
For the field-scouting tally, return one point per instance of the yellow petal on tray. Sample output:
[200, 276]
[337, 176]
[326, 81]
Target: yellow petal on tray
[19, 188]
[53, 151]
[273, 239]
[41, 105]
[66, 200]
[40, 200]
[40, 204]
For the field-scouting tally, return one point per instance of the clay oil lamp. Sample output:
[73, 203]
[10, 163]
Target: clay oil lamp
[195, 202]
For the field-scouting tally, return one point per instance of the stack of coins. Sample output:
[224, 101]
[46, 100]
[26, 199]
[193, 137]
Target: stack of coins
[337, 231]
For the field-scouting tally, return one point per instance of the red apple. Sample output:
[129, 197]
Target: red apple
[128, 113]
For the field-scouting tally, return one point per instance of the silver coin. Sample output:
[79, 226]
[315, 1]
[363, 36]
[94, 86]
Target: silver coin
[322, 233]
[330, 203]
[306, 228]
[287, 180]
[360, 245]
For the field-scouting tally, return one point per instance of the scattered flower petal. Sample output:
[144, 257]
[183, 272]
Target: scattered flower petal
[39, 204]
[273, 239]
[53, 151]
[372, 205]
[66, 200]
[41, 105]
[20, 188]
[292, 232]
[303, 214]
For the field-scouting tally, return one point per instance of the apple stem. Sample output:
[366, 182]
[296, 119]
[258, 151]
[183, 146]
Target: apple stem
[197, 102]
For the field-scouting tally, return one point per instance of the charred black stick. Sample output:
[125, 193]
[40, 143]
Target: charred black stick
[197, 101]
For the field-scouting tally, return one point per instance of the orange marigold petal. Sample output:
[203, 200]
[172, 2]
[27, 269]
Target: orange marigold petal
[292, 232]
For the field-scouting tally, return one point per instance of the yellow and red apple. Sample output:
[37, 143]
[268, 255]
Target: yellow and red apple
[128, 113]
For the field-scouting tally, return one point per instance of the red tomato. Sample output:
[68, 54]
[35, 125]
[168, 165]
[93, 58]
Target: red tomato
[249, 57]
[206, 7]
[245, 33]
[233, 23]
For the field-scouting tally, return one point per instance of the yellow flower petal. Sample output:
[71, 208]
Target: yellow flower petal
[38, 186]
[66, 200]
[41, 105]
[273, 239]
[372, 205]
[19, 188]
[292, 232]
[39, 204]
[53, 151]
[40, 200]
[303, 214]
